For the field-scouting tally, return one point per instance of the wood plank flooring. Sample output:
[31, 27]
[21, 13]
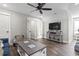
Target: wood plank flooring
[54, 48]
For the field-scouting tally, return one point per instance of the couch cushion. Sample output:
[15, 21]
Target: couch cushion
[5, 40]
[6, 51]
[5, 44]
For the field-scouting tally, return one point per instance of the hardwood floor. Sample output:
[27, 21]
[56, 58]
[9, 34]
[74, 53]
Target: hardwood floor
[54, 48]
[59, 49]
[13, 51]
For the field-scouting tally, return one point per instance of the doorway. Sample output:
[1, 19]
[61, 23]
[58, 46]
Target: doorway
[76, 28]
[35, 28]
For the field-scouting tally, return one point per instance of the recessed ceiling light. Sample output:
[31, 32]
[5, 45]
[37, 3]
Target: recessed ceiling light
[5, 5]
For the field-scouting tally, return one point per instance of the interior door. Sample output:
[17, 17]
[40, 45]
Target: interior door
[4, 26]
[35, 28]
[39, 28]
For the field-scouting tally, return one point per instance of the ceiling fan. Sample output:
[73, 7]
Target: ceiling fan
[39, 7]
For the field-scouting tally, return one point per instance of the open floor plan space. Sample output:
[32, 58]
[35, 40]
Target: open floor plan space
[39, 29]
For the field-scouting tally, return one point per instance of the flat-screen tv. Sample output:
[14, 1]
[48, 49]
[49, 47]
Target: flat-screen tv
[55, 26]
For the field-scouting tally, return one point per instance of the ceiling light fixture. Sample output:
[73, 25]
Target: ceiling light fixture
[5, 5]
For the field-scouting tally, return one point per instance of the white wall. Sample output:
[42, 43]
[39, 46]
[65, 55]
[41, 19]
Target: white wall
[62, 15]
[70, 29]
[46, 21]
[66, 26]
[4, 25]
[18, 23]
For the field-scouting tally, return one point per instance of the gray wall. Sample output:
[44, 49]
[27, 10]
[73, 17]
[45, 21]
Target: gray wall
[65, 18]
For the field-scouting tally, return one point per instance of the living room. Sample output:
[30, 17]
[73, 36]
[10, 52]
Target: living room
[36, 24]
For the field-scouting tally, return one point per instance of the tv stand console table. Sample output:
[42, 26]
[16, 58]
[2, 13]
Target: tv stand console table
[55, 35]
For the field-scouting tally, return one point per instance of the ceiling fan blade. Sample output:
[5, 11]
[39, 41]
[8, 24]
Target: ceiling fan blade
[46, 8]
[31, 5]
[41, 4]
[40, 11]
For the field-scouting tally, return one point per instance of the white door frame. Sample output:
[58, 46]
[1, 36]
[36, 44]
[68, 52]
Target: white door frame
[74, 19]
[29, 20]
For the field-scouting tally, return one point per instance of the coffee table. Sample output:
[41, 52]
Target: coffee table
[31, 48]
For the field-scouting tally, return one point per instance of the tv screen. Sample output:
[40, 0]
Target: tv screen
[55, 26]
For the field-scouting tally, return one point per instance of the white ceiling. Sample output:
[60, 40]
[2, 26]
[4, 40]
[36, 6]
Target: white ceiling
[25, 9]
